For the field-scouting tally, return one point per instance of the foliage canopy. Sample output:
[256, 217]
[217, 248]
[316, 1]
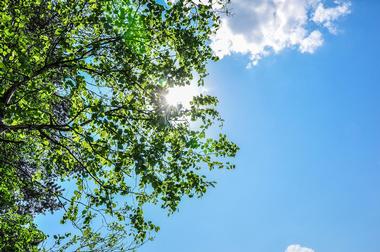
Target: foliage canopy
[84, 126]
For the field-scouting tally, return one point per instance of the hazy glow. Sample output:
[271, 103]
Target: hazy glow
[182, 94]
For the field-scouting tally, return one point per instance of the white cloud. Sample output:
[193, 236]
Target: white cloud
[262, 27]
[327, 16]
[311, 42]
[298, 248]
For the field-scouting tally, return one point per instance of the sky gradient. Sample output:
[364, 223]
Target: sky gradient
[308, 126]
[309, 167]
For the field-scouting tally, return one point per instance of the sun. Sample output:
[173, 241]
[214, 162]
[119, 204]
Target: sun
[183, 94]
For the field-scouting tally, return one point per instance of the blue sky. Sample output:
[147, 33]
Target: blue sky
[306, 115]
[309, 167]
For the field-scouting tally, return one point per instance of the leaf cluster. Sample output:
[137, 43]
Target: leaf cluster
[83, 112]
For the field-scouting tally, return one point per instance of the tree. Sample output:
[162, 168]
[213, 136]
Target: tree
[83, 112]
